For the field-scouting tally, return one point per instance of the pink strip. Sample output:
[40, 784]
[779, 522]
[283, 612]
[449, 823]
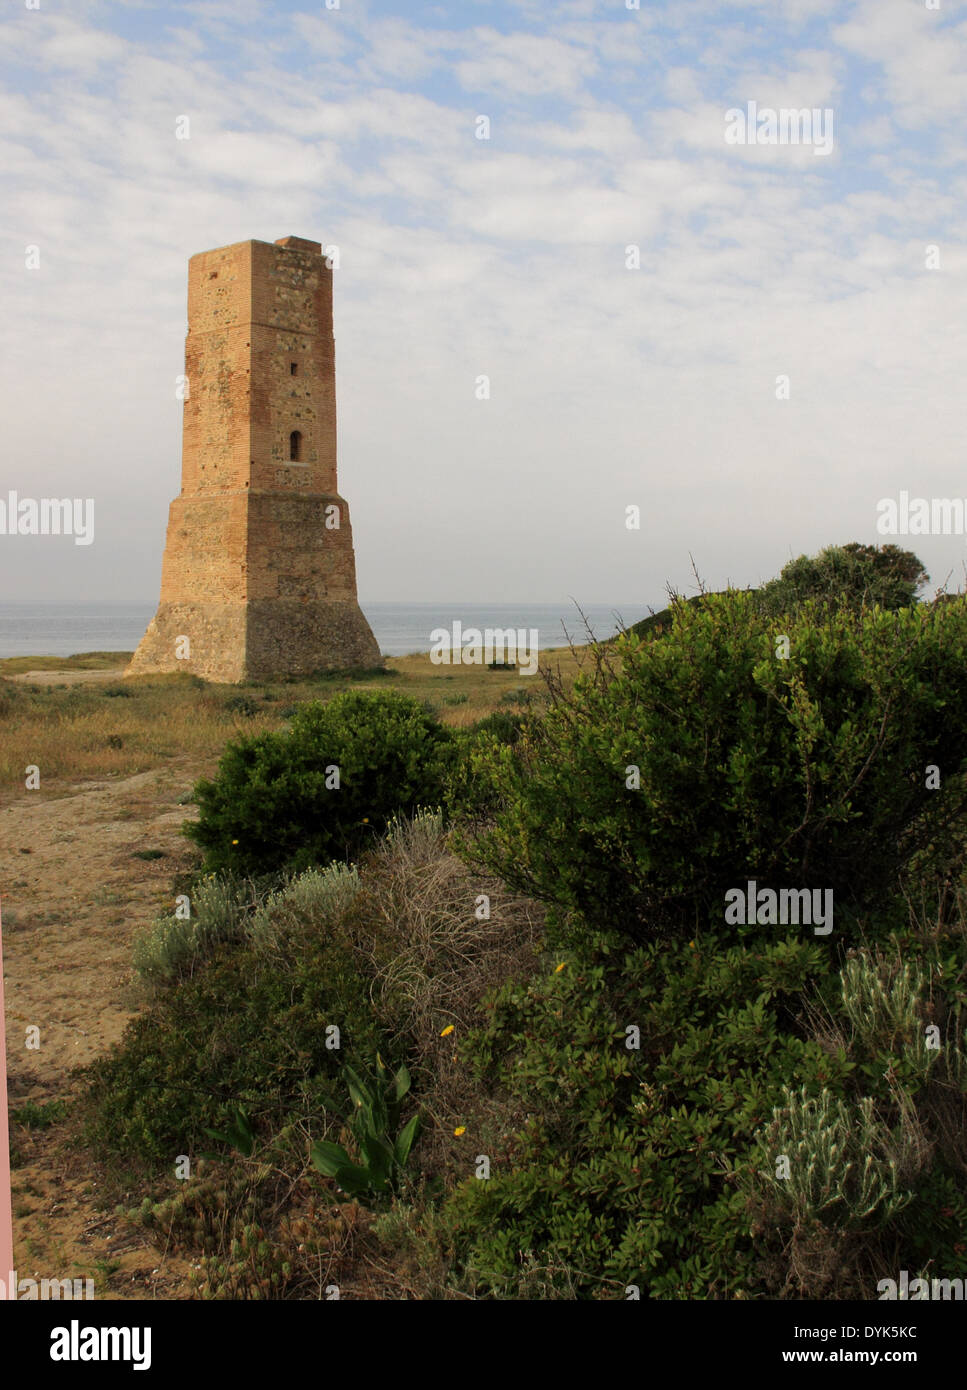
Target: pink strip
[6, 1213]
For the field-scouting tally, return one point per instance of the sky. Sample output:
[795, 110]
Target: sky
[785, 348]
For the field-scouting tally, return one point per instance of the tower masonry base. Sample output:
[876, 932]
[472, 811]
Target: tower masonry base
[256, 640]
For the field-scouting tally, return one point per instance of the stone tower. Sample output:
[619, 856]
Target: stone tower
[259, 575]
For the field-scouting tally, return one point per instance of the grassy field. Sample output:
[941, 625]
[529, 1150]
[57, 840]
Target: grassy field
[91, 725]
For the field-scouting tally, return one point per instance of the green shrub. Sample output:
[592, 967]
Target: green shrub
[656, 1165]
[469, 796]
[621, 1174]
[42, 1116]
[242, 704]
[322, 789]
[661, 622]
[806, 772]
[239, 1031]
[354, 673]
[12, 697]
[247, 990]
[856, 575]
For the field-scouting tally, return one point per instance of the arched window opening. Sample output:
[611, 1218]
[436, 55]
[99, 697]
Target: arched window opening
[295, 447]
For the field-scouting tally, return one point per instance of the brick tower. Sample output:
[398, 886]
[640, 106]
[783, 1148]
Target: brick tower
[259, 573]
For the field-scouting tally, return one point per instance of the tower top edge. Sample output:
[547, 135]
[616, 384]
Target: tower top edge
[287, 243]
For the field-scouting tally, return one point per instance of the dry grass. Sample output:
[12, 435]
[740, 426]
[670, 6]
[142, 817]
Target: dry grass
[90, 730]
[433, 961]
[83, 661]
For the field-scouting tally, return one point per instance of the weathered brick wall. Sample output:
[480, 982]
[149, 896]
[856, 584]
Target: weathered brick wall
[252, 528]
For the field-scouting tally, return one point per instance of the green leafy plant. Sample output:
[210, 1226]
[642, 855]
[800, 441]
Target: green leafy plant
[34, 1116]
[655, 1090]
[375, 1119]
[210, 1039]
[238, 1134]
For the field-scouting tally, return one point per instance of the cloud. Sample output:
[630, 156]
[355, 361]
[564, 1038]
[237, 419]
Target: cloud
[507, 258]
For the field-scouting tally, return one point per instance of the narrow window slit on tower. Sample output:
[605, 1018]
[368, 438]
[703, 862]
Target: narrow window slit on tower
[293, 369]
[295, 446]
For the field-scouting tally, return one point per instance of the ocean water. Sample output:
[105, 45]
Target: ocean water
[64, 629]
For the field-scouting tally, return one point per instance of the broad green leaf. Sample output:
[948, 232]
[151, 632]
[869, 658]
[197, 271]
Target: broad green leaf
[328, 1158]
[405, 1141]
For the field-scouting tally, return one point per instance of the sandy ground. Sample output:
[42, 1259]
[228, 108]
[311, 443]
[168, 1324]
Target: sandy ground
[74, 895]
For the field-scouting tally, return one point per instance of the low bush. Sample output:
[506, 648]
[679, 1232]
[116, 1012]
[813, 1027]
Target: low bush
[245, 705]
[175, 944]
[690, 1131]
[324, 788]
[856, 575]
[246, 991]
[241, 1030]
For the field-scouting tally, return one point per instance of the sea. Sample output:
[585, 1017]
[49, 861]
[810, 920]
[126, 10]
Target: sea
[67, 629]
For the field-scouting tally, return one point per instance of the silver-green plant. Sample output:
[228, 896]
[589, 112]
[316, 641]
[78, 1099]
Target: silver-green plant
[173, 945]
[317, 895]
[840, 1166]
[882, 1001]
[421, 831]
[885, 1005]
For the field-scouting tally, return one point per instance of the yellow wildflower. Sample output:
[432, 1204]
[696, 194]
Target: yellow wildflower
[447, 1030]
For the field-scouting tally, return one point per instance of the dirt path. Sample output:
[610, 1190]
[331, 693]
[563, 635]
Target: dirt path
[74, 895]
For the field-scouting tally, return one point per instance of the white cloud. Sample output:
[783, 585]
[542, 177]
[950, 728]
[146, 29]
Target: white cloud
[507, 257]
[510, 65]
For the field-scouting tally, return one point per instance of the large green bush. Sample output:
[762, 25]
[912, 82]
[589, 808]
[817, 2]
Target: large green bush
[679, 769]
[274, 802]
[661, 1086]
[619, 1176]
